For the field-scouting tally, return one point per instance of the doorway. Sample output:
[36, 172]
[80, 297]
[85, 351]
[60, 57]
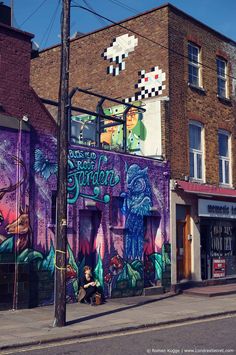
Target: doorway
[89, 222]
[183, 243]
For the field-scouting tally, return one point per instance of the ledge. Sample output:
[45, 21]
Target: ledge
[197, 89]
[224, 100]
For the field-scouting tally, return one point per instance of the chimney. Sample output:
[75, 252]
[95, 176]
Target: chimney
[5, 14]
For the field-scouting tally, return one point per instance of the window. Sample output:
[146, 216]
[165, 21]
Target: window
[193, 64]
[221, 77]
[196, 150]
[224, 157]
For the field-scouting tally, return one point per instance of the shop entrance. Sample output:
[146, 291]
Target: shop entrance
[218, 248]
[183, 242]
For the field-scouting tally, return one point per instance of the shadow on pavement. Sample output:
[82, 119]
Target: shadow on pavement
[93, 316]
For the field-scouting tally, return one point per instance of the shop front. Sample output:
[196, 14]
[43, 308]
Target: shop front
[218, 238]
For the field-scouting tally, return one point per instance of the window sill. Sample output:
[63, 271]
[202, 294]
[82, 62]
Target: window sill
[198, 181]
[226, 186]
[224, 100]
[198, 89]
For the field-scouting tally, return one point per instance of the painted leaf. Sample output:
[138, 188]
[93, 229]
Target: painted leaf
[98, 271]
[49, 262]
[156, 259]
[71, 260]
[129, 274]
[29, 255]
[7, 245]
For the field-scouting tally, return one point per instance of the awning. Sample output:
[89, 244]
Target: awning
[202, 189]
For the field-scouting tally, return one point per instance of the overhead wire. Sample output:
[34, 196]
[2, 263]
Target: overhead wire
[102, 22]
[50, 26]
[33, 13]
[149, 39]
[124, 6]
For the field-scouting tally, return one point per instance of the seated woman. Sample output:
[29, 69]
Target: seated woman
[88, 285]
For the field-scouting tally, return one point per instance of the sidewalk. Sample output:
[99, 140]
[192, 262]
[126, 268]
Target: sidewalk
[34, 326]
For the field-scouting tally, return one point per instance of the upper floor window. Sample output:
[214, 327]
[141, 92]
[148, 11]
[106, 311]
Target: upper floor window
[196, 150]
[221, 77]
[193, 64]
[224, 157]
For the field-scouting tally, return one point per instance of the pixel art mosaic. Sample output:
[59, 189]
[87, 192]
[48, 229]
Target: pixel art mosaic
[118, 51]
[150, 84]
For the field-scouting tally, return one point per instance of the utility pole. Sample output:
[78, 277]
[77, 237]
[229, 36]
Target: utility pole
[62, 148]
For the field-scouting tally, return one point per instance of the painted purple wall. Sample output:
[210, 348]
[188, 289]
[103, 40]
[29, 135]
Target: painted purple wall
[118, 217]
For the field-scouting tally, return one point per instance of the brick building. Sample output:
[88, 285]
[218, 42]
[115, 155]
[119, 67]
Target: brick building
[183, 73]
[115, 200]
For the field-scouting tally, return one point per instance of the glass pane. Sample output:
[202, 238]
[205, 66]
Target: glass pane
[193, 75]
[83, 130]
[223, 145]
[221, 171]
[195, 137]
[199, 166]
[191, 158]
[193, 53]
[221, 87]
[221, 66]
[226, 172]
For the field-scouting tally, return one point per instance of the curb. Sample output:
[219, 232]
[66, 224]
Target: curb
[108, 332]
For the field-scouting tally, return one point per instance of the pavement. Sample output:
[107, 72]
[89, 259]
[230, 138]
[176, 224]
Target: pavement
[22, 328]
[212, 291]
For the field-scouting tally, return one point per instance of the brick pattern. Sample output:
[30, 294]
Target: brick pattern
[17, 97]
[172, 28]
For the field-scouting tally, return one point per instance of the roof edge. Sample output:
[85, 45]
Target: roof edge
[169, 5]
[13, 29]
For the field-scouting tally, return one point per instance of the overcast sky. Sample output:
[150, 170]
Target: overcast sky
[42, 17]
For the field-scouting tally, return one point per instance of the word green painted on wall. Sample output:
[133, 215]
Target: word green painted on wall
[86, 169]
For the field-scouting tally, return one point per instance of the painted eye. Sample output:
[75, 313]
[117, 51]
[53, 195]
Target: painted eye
[146, 79]
[156, 76]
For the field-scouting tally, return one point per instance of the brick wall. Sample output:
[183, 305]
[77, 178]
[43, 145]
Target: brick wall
[172, 28]
[187, 104]
[17, 97]
[88, 69]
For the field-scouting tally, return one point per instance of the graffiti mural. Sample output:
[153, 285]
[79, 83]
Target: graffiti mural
[118, 221]
[118, 51]
[88, 169]
[83, 130]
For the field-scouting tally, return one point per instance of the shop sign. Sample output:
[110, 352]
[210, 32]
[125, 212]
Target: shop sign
[220, 209]
[218, 269]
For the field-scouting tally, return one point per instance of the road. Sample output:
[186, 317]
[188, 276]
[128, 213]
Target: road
[217, 336]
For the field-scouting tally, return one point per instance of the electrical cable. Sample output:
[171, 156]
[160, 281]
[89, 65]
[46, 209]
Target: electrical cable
[102, 22]
[150, 40]
[124, 6]
[34, 12]
[49, 28]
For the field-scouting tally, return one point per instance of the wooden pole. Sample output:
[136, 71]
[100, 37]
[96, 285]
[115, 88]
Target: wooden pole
[62, 142]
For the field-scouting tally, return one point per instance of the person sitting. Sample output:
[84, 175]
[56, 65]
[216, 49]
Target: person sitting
[88, 287]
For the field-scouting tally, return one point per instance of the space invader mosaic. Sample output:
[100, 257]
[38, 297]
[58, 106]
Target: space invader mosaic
[118, 51]
[150, 84]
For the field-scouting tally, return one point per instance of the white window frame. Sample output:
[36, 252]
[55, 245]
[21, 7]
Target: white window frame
[196, 65]
[225, 159]
[197, 152]
[222, 77]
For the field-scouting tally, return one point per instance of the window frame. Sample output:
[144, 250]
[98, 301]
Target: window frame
[224, 78]
[225, 159]
[196, 152]
[195, 65]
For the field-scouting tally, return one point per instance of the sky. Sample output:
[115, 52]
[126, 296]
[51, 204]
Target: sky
[42, 17]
